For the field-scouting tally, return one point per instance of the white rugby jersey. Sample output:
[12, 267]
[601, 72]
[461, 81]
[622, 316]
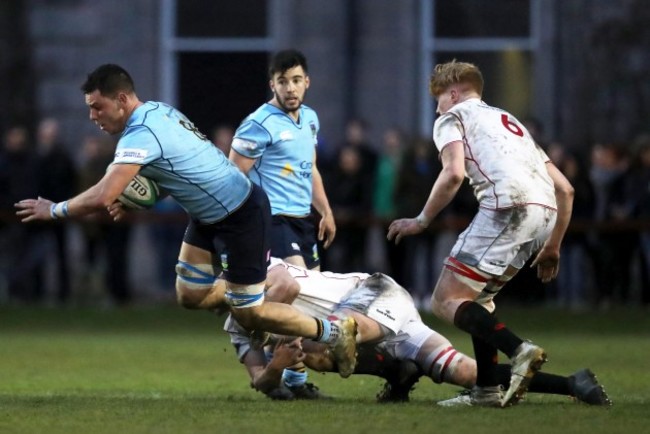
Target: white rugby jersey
[505, 166]
[320, 291]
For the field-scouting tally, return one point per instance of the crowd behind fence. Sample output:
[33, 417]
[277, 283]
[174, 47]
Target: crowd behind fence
[605, 257]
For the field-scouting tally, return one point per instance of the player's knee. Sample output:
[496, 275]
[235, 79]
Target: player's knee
[463, 374]
[247, 302]
[188, 298]
[442, 308]
[282, 288]
[193, 283]
[445, 364]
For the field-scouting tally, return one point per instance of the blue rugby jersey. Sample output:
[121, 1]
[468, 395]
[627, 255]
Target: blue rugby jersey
[285, 152]
[182, 161]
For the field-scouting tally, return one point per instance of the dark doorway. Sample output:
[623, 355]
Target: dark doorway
[221, 88]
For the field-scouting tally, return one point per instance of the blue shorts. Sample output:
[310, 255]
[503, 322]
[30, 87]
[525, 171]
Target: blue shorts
[240, 241]
[291, 236]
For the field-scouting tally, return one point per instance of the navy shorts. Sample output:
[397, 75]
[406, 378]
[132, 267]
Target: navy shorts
[291, 236]
[240, 241]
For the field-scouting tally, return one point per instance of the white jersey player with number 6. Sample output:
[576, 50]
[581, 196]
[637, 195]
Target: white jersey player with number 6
[524, 208]
[504, 165]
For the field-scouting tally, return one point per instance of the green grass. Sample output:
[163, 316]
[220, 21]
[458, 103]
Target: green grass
[167, 370]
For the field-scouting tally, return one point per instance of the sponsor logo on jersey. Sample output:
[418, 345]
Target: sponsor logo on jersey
[224, 261]
[387, 313]
[287, 170]
[306, 167]
[312, 126]
[130, 155]
[286, 135]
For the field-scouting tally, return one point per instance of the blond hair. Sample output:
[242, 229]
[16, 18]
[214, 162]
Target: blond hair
[447, 74]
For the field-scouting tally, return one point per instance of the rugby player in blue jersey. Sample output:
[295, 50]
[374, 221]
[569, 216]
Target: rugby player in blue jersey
[228, 214]
[276, 146]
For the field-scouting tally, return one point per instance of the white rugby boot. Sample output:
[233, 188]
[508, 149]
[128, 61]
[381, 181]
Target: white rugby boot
[527, 360]
[490, 396]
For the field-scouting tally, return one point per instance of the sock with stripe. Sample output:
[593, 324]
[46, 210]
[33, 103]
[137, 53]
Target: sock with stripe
[474, 319]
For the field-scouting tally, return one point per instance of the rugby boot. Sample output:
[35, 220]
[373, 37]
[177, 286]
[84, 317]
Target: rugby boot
[527, 360]
[344, 346]
[490, 396]
[585, 388]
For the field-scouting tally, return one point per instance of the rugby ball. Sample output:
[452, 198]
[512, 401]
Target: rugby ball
[141, 193]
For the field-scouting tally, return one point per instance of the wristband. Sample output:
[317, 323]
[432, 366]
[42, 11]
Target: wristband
[59, 210]
[422, 220]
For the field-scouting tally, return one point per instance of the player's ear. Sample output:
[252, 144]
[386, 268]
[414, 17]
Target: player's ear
[272, 85]
[307, 81]
[454, 95]
[122, 98]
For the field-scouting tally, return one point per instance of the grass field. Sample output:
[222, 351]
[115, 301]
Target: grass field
[166, 370]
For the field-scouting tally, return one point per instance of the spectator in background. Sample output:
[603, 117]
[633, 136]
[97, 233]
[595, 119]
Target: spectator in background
[20, 249]
[640, 179]
[571, 284]
[351, 202]
[420, 167]
[356, 131]
[57, 179]
[384, 196]
[102, 235]
[166, 231]
[222, 137]
[613, 246]
[536, 130]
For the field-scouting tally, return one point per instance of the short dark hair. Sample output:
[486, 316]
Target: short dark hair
[287, 59]
[109, 79]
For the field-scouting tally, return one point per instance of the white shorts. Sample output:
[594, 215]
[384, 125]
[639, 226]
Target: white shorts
[495, 239]
[380, 298]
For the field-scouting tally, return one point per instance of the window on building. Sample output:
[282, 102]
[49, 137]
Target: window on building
[499, 36]
[221, 88]
[481, 19]
[214, 58]
[221, 19]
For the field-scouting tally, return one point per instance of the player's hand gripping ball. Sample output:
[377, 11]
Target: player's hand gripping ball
[141, 193]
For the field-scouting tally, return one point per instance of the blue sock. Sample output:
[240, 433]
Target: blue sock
[292, 378]
[325, 332]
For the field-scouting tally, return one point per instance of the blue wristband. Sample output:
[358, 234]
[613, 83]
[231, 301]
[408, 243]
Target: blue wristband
[59, 210]
[52, 213]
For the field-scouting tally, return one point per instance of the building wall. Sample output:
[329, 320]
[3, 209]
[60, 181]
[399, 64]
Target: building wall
[364, 58]
[72, 37]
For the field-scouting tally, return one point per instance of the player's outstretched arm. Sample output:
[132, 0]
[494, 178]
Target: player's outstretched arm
[444, 189]
[99, 196]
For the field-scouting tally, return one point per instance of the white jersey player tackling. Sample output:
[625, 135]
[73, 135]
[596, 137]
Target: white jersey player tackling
[396, 344]
[524, 207]
[384, 311]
